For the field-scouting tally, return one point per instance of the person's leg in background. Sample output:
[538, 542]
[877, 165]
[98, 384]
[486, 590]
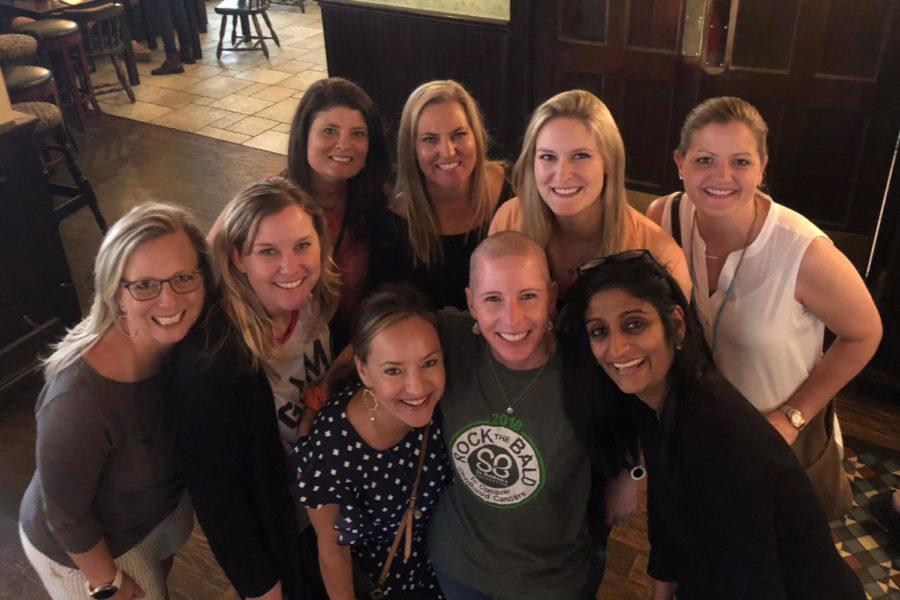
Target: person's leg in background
[159, 14]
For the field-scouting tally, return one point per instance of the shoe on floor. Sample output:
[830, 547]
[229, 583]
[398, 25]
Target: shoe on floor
[171, 65]
[141, 54]
[882, 509]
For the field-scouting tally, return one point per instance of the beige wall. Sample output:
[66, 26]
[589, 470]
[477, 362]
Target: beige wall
[490, 9]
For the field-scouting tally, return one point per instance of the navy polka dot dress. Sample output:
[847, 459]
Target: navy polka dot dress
[372, 487]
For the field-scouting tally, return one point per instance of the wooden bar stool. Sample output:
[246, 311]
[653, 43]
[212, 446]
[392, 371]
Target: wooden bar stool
[52, 137]
[244, 9]
[28, 83]
[16, 48]
[60, 44]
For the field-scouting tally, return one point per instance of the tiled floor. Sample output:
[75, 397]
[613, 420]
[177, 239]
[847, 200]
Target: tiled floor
[242, 98]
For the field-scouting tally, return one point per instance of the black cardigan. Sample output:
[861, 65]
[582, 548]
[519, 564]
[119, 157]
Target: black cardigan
[235, 467]
[731, 512]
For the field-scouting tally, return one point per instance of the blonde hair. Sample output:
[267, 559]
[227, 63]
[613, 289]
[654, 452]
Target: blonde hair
[537, 219]
[411, 197]
[143, 223]
[724, 110]
[247, 316]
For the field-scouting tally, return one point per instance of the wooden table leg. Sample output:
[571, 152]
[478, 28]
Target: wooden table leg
[130, 64]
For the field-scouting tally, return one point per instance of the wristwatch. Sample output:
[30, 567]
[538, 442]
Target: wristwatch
[105, 590]
[794, 416]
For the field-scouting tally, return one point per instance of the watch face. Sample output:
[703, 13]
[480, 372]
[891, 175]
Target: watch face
[797, 420]
[105, 593]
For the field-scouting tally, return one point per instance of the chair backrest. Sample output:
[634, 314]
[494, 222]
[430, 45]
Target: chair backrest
[101, 29]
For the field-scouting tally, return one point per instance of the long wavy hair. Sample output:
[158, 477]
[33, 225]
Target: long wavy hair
[410, 193]
[246, 314]
[145, 222]
[616, 416]
[538, 220]
[366, 201]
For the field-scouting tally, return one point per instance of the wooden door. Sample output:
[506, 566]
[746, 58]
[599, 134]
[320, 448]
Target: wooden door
[626, 52]
[825, 75]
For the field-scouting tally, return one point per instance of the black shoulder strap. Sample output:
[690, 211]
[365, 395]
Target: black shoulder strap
[675, 218]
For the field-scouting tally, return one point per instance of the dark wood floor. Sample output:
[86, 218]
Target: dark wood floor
[129, 162]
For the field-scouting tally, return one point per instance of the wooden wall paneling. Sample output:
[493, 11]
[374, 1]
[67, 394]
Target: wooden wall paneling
[389, 52]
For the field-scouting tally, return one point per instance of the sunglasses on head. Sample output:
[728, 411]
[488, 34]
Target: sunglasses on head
[626, 256]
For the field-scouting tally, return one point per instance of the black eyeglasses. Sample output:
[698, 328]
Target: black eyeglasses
[627, 255]
[148, 289]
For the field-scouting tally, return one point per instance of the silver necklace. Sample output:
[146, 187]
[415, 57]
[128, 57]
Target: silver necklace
[509, 405]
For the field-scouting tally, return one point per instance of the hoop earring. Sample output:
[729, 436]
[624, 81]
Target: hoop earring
[120, 323]
[476, 329]
[371, 402]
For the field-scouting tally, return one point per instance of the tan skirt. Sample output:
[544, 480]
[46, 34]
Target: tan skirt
[817, 450]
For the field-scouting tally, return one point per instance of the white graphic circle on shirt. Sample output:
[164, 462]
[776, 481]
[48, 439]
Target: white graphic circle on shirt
[497, 461]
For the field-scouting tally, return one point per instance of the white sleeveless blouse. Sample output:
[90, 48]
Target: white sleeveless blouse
[767, 341]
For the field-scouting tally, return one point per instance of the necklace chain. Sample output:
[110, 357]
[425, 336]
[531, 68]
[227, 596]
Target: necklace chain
[718, 319]
[509, 405]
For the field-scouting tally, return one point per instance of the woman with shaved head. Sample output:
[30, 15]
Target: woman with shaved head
[514, 523]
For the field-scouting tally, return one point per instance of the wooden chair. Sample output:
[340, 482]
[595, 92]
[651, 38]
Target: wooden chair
[101, 32]
[245, 9]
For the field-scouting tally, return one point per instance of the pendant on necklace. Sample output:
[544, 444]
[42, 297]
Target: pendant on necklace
[509, 410]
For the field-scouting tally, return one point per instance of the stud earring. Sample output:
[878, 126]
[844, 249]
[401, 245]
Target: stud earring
[371, 402]
[476, 329]
[549, 324]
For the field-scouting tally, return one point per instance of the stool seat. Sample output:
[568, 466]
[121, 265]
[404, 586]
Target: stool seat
[48, 115]
[15, 46]
[240, 7]
[23, 78]
[50, 29]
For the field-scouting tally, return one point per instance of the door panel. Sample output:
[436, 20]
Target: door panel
[772, 51]
[857, 34]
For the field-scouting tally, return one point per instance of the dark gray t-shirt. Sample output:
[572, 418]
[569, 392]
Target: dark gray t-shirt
[513, 523]
[105, 464]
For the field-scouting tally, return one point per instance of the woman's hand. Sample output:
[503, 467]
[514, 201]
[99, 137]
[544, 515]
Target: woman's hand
[664, 590]
[273, 594]
[306, 422]
[129, 590]
[621, 499]
[782, 425]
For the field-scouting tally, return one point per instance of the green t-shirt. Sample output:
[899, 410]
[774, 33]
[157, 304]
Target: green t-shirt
[513, 523]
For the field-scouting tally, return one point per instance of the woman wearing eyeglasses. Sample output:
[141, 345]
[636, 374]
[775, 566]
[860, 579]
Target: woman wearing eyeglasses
[238, 387]
[731, 514]
[105, 511]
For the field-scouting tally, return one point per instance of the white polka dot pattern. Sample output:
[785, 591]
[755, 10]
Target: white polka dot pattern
[336, 466]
